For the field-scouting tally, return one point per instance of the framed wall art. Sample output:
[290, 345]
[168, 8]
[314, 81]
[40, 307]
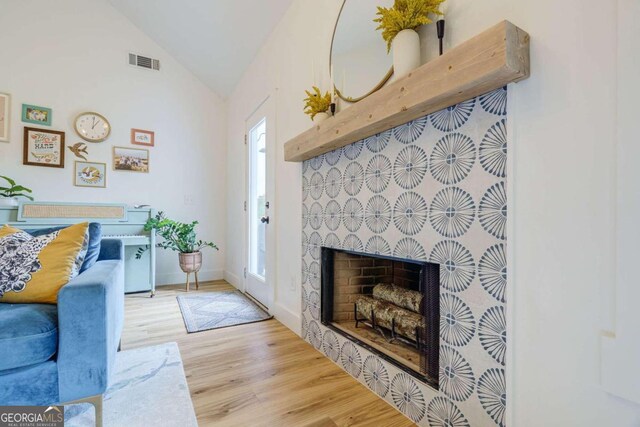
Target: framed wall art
[5, 119]
[36, 115]
[43, 147]
[142, 137]
[130, 159]
[90, 174]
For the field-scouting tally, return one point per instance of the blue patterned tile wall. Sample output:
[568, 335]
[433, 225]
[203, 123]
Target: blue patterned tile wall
[432, 189]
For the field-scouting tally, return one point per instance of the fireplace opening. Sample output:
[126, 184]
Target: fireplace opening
[388, 305]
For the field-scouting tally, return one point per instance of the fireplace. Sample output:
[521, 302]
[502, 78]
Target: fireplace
[388, 305]
[431, 190]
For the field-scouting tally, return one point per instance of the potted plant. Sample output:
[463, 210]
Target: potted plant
[317, 105]
[179, 237]
[399, 24]
[9, 194]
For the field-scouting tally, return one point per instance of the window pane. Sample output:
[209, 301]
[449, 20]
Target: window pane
[257, 190]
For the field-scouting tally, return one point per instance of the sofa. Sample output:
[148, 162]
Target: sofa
[57, 354]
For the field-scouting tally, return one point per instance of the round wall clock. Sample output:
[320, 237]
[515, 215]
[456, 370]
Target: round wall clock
[92, 127]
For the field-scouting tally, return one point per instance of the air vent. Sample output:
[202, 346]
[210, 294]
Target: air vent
[144, 62]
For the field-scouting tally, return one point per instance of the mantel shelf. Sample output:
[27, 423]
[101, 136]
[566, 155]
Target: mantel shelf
[490, 60]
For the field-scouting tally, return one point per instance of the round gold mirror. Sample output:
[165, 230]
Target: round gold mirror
[359, 60]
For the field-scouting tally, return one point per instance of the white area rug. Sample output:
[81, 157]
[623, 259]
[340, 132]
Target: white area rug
[212, 310]
[149, 389]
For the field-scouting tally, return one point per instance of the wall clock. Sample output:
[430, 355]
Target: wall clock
[92, 127]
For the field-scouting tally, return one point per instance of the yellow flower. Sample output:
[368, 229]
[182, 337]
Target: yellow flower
[316, 102]
[405, 15]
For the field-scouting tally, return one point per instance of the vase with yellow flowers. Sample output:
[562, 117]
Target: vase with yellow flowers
[399, 24]
[317, 105]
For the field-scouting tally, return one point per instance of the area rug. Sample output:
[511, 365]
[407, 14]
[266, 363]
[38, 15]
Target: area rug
[212, 310]
[149, 389]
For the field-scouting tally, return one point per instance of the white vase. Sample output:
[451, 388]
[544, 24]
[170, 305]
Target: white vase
[320, 117]
[8, 202]
[406, 53]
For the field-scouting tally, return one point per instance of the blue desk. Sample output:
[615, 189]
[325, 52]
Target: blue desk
[118, 221]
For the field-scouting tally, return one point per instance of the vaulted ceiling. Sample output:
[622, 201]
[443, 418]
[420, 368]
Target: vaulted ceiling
[215, 39]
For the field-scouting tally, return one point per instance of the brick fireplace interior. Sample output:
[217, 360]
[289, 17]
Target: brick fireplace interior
[389, 305]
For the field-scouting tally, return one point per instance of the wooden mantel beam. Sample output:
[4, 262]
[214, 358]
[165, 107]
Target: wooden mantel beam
[488, 61]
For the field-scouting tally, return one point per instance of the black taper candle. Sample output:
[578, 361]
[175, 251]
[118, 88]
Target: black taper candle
[440, 27]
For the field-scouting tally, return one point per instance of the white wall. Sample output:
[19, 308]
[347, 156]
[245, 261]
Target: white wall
[562, 220]
[282, 70]
[621, 347]
[71, 56]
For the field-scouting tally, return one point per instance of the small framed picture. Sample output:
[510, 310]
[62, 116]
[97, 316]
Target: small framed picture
[43, 147]
[5, 109]
[130, 159]
[90, 174]
[36, 115]
[142, 137]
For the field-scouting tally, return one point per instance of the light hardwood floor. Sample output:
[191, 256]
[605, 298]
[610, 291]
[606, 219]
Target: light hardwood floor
[259, 374]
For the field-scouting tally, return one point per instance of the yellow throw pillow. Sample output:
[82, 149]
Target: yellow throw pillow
[33, 269]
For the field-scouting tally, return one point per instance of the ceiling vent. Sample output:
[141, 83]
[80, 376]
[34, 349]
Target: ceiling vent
[144, 62]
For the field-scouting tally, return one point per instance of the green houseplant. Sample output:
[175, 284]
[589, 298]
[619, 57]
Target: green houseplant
[179, 237]
[11, 191]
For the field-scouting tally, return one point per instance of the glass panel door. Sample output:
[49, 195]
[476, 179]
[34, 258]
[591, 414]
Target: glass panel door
[257, 199]
[259, 230]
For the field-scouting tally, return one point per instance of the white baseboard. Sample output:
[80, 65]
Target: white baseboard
[288, 318]
[180, 277]
[233, 279]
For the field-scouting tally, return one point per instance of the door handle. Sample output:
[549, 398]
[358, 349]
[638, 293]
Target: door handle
[264, 220]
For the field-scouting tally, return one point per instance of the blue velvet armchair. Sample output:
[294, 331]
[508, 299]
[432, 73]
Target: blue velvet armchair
[57, 354]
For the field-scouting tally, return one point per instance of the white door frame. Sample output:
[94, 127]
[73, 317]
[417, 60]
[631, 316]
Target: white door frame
[265, 109]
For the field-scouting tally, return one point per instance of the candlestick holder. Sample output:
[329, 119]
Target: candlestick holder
[440, 28]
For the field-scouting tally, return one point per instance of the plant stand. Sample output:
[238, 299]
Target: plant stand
[195, 273]
[191, 263]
